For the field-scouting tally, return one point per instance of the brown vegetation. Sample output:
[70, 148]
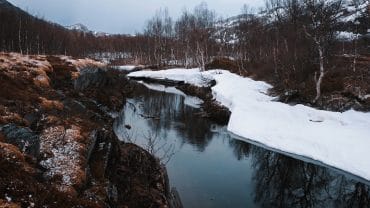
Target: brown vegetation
[226, 64]
[69, 122]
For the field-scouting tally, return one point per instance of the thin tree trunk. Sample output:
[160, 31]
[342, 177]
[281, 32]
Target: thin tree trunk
[355, 56]
[322, 74]
[19, 36]
[201, 61]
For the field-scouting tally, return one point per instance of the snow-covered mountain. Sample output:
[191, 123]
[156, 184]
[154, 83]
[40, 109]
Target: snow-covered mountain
[84, 29]
[354, 22]
[79, 27]
[352, 11]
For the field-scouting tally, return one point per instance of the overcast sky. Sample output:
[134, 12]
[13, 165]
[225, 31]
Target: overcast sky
[121, 16]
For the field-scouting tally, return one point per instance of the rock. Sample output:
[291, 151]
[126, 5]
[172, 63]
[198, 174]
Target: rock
[32, 118]
[137, 172]
[27, 141]
[106, 86]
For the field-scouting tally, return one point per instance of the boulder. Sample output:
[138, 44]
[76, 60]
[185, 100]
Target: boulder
[26, 140]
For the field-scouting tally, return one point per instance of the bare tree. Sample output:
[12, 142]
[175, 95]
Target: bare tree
[160, 30]
[155, 145]
[320, 29]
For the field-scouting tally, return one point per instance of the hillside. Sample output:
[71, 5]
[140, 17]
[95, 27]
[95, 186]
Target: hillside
[57, 145]
[352, 17]
[24, 33]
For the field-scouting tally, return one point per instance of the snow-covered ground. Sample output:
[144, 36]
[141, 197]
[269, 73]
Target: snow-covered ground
[189, 76]
[125, 67]
[352, 12]
[341, 140]
[347, 36]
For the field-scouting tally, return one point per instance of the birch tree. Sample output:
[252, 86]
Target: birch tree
[320, 29]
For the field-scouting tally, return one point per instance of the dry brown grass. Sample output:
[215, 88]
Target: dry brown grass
[51, 104]
[5, 204]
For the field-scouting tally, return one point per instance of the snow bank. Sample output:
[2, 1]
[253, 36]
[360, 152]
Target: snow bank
[125, 67]
[189, 76]
[341, 140]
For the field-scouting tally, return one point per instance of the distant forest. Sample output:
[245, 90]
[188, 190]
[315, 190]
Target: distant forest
[295, 43]
[24, 33]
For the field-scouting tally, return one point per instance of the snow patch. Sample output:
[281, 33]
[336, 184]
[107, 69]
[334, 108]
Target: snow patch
[189, 76]
[125, 67]
[347, 36]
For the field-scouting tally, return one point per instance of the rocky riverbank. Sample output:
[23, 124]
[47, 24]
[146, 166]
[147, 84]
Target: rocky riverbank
[57, 146]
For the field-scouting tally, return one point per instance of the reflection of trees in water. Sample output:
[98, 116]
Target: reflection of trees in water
[282, 181]
[241, 149]
[196, 131]
[352, 194]
[172, 111]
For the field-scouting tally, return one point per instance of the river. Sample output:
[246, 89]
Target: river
[209, 167]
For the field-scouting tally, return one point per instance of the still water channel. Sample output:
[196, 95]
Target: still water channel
[210, 168]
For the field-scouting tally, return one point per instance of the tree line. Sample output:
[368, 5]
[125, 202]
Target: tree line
[291, 42]
[24, 33]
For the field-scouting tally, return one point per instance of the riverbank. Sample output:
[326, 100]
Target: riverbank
[57, 146]
[336, 139]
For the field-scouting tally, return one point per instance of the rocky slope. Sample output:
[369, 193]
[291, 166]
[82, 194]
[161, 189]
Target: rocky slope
[57, 147]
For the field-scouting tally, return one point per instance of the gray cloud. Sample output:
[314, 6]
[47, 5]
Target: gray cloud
[120, 16]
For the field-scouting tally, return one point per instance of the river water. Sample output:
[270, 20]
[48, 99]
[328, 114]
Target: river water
[210, 168]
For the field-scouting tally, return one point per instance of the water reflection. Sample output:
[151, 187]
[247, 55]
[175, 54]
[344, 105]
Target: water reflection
[240, 149]
[211, 169]
[165, 111]
[285, 182]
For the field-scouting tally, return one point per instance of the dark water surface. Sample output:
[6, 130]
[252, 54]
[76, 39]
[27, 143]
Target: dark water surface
[210, 168]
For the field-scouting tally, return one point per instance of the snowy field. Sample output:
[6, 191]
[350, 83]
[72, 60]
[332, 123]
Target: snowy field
[341, 140]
